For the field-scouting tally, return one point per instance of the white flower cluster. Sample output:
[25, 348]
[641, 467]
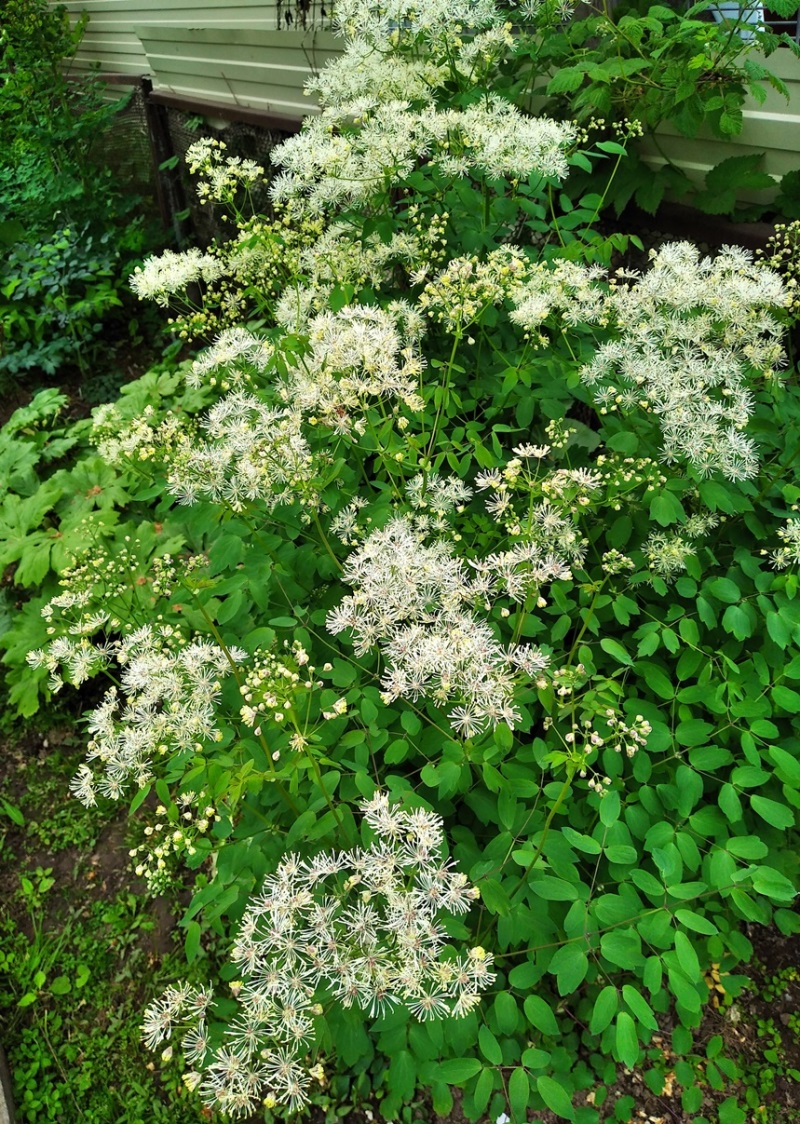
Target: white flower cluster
[570, 288]
[390, 21]
[170, 685]
[253, 452]
[237, 352]
[358, 927]
[691, 332]
[371, 72]
[414, 599]
[356, 355]
[161, 277]
[538, 510]
[329, 166]
[789, 553]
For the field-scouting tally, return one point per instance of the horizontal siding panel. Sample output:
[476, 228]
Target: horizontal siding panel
[257, 69]
[243, 40]
[176, 70]
[283, 102]
[772, 128]
[127, 12]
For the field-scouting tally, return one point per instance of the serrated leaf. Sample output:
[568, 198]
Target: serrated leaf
[567, 80]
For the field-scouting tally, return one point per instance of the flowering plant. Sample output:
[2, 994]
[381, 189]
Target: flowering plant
[474, 523]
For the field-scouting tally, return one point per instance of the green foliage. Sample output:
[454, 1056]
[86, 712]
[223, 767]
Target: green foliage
[70, 1008]
[50, 126]
[657, 64]
[72, 228]
[48, 513]
[54, 299]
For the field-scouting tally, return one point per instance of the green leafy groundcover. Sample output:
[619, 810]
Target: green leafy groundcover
[473, 584]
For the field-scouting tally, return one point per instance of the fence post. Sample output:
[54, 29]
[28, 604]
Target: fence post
[168, 184]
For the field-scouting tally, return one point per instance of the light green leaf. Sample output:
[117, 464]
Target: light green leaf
[614, 649]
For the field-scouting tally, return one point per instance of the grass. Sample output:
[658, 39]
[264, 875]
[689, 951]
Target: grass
[82, 950]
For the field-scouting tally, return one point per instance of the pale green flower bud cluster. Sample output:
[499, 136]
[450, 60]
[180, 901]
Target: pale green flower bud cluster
[276, 686]
[223, 176]
[782, 254]
[666, 553]
[174, 835]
